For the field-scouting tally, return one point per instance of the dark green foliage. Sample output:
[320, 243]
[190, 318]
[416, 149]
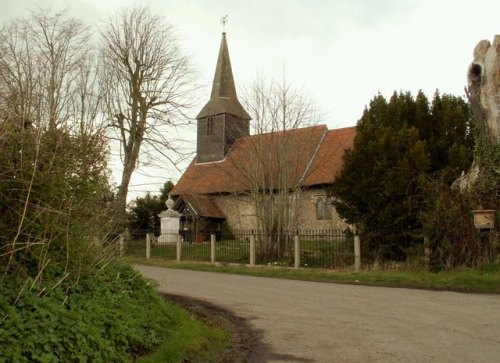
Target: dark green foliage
[143, 211]
[110, 316]
[487, 156]
[396, 142]
[447, 223]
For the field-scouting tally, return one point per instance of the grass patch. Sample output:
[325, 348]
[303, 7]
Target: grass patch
[482, 280]
[191, 341]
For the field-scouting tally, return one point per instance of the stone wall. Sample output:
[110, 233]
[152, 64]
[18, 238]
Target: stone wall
[307, 213]
[240, 212]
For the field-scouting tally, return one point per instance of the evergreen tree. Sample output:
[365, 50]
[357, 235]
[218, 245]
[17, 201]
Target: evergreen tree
[396, 142]
[143, 211]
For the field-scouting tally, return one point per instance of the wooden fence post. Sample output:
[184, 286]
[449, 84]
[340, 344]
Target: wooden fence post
[357, 252]
[297, 250]
[148, 246]
[212, 248]
[252, 249]
[179, 248]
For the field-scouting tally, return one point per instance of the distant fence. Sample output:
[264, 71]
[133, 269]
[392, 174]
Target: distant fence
[302, 248]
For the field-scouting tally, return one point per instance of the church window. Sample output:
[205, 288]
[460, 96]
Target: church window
[320, 209]
[324, 208]
[210, 126]
[328, 208]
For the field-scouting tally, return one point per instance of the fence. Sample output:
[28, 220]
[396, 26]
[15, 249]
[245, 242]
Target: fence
[321, 249]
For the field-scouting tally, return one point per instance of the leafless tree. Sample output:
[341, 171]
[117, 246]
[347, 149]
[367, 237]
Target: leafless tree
[148, 85]
[41, 65]
[278, 157]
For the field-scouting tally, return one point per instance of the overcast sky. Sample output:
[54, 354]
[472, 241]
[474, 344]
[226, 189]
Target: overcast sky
[340, 52]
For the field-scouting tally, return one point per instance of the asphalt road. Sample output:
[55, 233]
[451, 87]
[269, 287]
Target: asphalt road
[321, 322]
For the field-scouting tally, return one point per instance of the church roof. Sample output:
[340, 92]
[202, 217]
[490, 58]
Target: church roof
[223, 98]
[202, 205]
[309, 156]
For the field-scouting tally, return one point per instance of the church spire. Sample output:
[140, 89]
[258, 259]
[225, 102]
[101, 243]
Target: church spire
[223, 98]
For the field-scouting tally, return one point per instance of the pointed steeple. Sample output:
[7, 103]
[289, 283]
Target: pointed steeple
[223, 98]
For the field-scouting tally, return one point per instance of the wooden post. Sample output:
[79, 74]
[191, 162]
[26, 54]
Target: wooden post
[252, 249]
[179, 248]
[212, 248]
[148, 246]
[297, 250]
[357, 253]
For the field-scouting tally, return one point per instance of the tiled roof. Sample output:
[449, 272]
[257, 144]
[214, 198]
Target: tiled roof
[328, 161]
[308, 156]
[203, 205]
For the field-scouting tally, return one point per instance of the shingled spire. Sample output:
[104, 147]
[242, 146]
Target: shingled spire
[223, 119]
[223, 98]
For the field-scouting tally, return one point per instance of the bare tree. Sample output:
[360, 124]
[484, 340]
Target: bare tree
[41, 63]
[148, 86]
[279, 155]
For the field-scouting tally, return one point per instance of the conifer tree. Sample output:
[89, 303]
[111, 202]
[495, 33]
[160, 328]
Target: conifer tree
[396, 142]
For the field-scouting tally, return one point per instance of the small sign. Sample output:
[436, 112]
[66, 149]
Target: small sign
[484, 218]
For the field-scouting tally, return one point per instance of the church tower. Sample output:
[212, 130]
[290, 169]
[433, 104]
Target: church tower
[223, 119]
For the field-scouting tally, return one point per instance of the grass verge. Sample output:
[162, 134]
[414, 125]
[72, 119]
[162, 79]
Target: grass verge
[190, 341]
[481, 280]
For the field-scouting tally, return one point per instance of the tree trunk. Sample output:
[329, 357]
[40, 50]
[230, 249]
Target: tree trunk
[483, 78]
[121, 194]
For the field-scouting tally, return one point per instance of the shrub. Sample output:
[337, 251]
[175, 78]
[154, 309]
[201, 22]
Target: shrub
[111, 316]
[447, 223]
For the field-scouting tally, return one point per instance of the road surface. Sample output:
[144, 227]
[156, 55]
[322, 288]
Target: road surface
[322, 322]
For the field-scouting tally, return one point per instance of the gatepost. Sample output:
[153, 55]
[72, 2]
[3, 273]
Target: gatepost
[297, 250]
[252, 249]
[212, 248]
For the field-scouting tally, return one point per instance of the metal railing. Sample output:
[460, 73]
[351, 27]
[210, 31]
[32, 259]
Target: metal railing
[321, 249]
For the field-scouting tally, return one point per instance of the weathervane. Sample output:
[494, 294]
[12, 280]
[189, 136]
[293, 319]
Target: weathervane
[224, 21]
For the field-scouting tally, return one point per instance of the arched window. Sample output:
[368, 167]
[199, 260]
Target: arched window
[320, 209]
[324, 208]
[210, 126]
[328, 208]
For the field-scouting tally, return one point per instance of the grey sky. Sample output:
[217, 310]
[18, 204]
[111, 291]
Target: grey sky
[340, 52]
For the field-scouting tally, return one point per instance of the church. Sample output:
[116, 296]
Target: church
[232, 167]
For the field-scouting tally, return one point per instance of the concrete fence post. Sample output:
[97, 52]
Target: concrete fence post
[212, 248]
[148, 246]
[252, 249]
[357, 252]
[121, 245]
[297, 250]
[179, 248]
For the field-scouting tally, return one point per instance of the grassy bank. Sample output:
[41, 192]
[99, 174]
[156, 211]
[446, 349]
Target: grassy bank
[190, 341]
[481, 280]
[111, 315]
